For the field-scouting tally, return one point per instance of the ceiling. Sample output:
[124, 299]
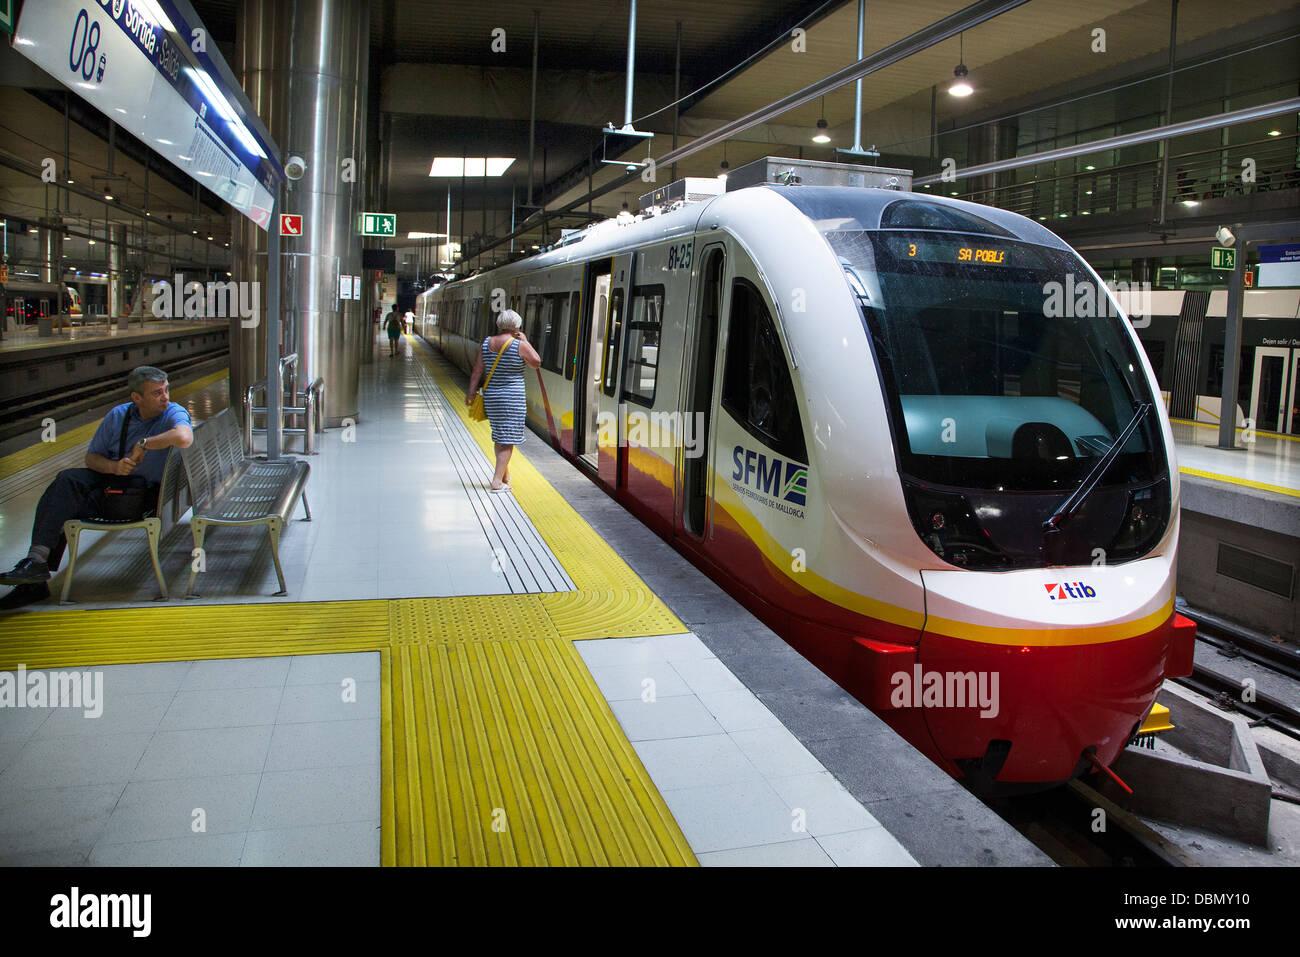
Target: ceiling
[445, 90]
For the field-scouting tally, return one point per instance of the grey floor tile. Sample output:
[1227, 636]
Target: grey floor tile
[827, 807]
[873, 847]
[142, 678]
[695, 762]
[679, 716]
[329, 702]
[324, 744]
[352, 844]
[204, 752]
[706, 675]
[739, 814]
[75, 760]
[34, 822]
[236, 673]
[738, 710]
[19, 724]
[804, 853]
[317, 796]
[222, 708]
[162, 810]
[332, 669]
[638, 680]
[776, 752]
[121, 713]
[197, 850]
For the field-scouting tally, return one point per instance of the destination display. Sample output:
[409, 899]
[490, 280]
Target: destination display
[924, 249]
[149, 66]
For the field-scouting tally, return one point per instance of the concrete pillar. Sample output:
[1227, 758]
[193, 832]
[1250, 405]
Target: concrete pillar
[304, 65]
[116, 267]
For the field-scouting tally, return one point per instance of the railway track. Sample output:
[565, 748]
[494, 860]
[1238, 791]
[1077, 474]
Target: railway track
[1265, 707]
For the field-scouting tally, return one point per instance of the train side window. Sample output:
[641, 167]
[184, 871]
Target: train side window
[530, 317]
[555, 316]
[642, 355]
[756, 385]
[613, 334]
[571, 351]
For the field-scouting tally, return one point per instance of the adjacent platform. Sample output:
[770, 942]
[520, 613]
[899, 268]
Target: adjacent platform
[456, 677]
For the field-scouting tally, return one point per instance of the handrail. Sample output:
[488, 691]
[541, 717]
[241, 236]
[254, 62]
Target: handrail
[313, 407]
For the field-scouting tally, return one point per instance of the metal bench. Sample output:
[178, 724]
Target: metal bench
[171, 505]
[229, 489]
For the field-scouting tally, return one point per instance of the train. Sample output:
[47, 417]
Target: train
[28, 300]
[850, 407]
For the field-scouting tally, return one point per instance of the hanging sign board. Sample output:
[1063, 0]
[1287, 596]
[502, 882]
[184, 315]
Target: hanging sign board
[379, 224]
[151, 67]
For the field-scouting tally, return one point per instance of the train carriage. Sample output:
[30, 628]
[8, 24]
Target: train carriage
[849, 406]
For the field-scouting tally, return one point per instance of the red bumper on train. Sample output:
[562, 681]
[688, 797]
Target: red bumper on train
[1040, 706]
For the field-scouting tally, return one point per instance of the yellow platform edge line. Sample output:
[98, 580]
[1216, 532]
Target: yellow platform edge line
[589, 560]
[1239, 428]
[15, 462]
[1233, 480]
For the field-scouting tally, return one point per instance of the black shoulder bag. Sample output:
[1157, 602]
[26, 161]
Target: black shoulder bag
[128, 498]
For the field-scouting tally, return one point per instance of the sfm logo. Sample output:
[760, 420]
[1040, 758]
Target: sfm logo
[1064, 591]
[775, 477]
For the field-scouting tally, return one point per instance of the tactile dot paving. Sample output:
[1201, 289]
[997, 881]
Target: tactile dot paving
[487, 618]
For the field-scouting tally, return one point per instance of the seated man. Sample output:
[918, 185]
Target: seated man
[129, 449]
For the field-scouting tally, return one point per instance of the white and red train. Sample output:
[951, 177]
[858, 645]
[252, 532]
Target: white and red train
[851, 408]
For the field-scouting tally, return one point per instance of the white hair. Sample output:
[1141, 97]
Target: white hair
[509, 320]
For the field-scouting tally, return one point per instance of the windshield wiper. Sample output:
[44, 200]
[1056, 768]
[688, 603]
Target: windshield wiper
[1093, 479]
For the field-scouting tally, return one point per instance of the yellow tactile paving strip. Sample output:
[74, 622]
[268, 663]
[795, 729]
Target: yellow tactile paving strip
[35, 454]
[497, 746]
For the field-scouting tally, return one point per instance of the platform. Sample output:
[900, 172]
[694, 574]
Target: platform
[27, 338]
[456, 677]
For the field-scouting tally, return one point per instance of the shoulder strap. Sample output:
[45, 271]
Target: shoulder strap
[494, 364]
[121, 439]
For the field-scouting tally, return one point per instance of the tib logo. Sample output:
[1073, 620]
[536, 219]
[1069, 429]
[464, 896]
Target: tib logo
[1064, 591]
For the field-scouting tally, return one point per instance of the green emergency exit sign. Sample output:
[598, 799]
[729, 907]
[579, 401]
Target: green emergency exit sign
[379, 224]
[7, 16]
[1221, 257]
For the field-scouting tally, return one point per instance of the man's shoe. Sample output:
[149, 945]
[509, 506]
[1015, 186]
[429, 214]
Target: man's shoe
[25, 572]
[24, 595]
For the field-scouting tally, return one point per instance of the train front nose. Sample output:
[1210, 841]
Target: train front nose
[1025, 713]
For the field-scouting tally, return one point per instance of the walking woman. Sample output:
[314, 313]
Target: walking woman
[503, 395]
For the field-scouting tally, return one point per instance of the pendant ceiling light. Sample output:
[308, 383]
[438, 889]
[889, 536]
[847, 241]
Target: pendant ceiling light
[821, 136]
[960, 85]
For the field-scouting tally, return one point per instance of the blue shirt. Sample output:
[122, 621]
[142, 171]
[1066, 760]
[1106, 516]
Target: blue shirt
[106, 438]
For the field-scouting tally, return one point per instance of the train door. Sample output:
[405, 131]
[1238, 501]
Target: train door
[1293, 406]
[595, 395]
[1269, 394]
[699, 381]
[588, 374]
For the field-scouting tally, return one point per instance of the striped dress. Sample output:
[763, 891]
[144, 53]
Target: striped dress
[505, 399]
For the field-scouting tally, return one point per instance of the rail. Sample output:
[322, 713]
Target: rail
[312, 407]
[1194, 176]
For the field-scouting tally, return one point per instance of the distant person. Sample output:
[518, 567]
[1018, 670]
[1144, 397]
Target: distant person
[393, 325]
[128, 451]
[504, 398]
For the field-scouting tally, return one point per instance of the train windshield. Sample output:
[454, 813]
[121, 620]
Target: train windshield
[1008, 376]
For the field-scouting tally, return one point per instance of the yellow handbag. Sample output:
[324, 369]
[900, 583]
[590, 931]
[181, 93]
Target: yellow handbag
[476, 410]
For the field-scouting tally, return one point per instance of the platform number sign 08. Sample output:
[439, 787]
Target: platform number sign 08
[83, 49]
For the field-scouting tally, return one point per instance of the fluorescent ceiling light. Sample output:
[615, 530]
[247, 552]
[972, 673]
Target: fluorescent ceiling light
[164, 142]
[210, 91]
[152, 11]
[425, 235]
[470, 165]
